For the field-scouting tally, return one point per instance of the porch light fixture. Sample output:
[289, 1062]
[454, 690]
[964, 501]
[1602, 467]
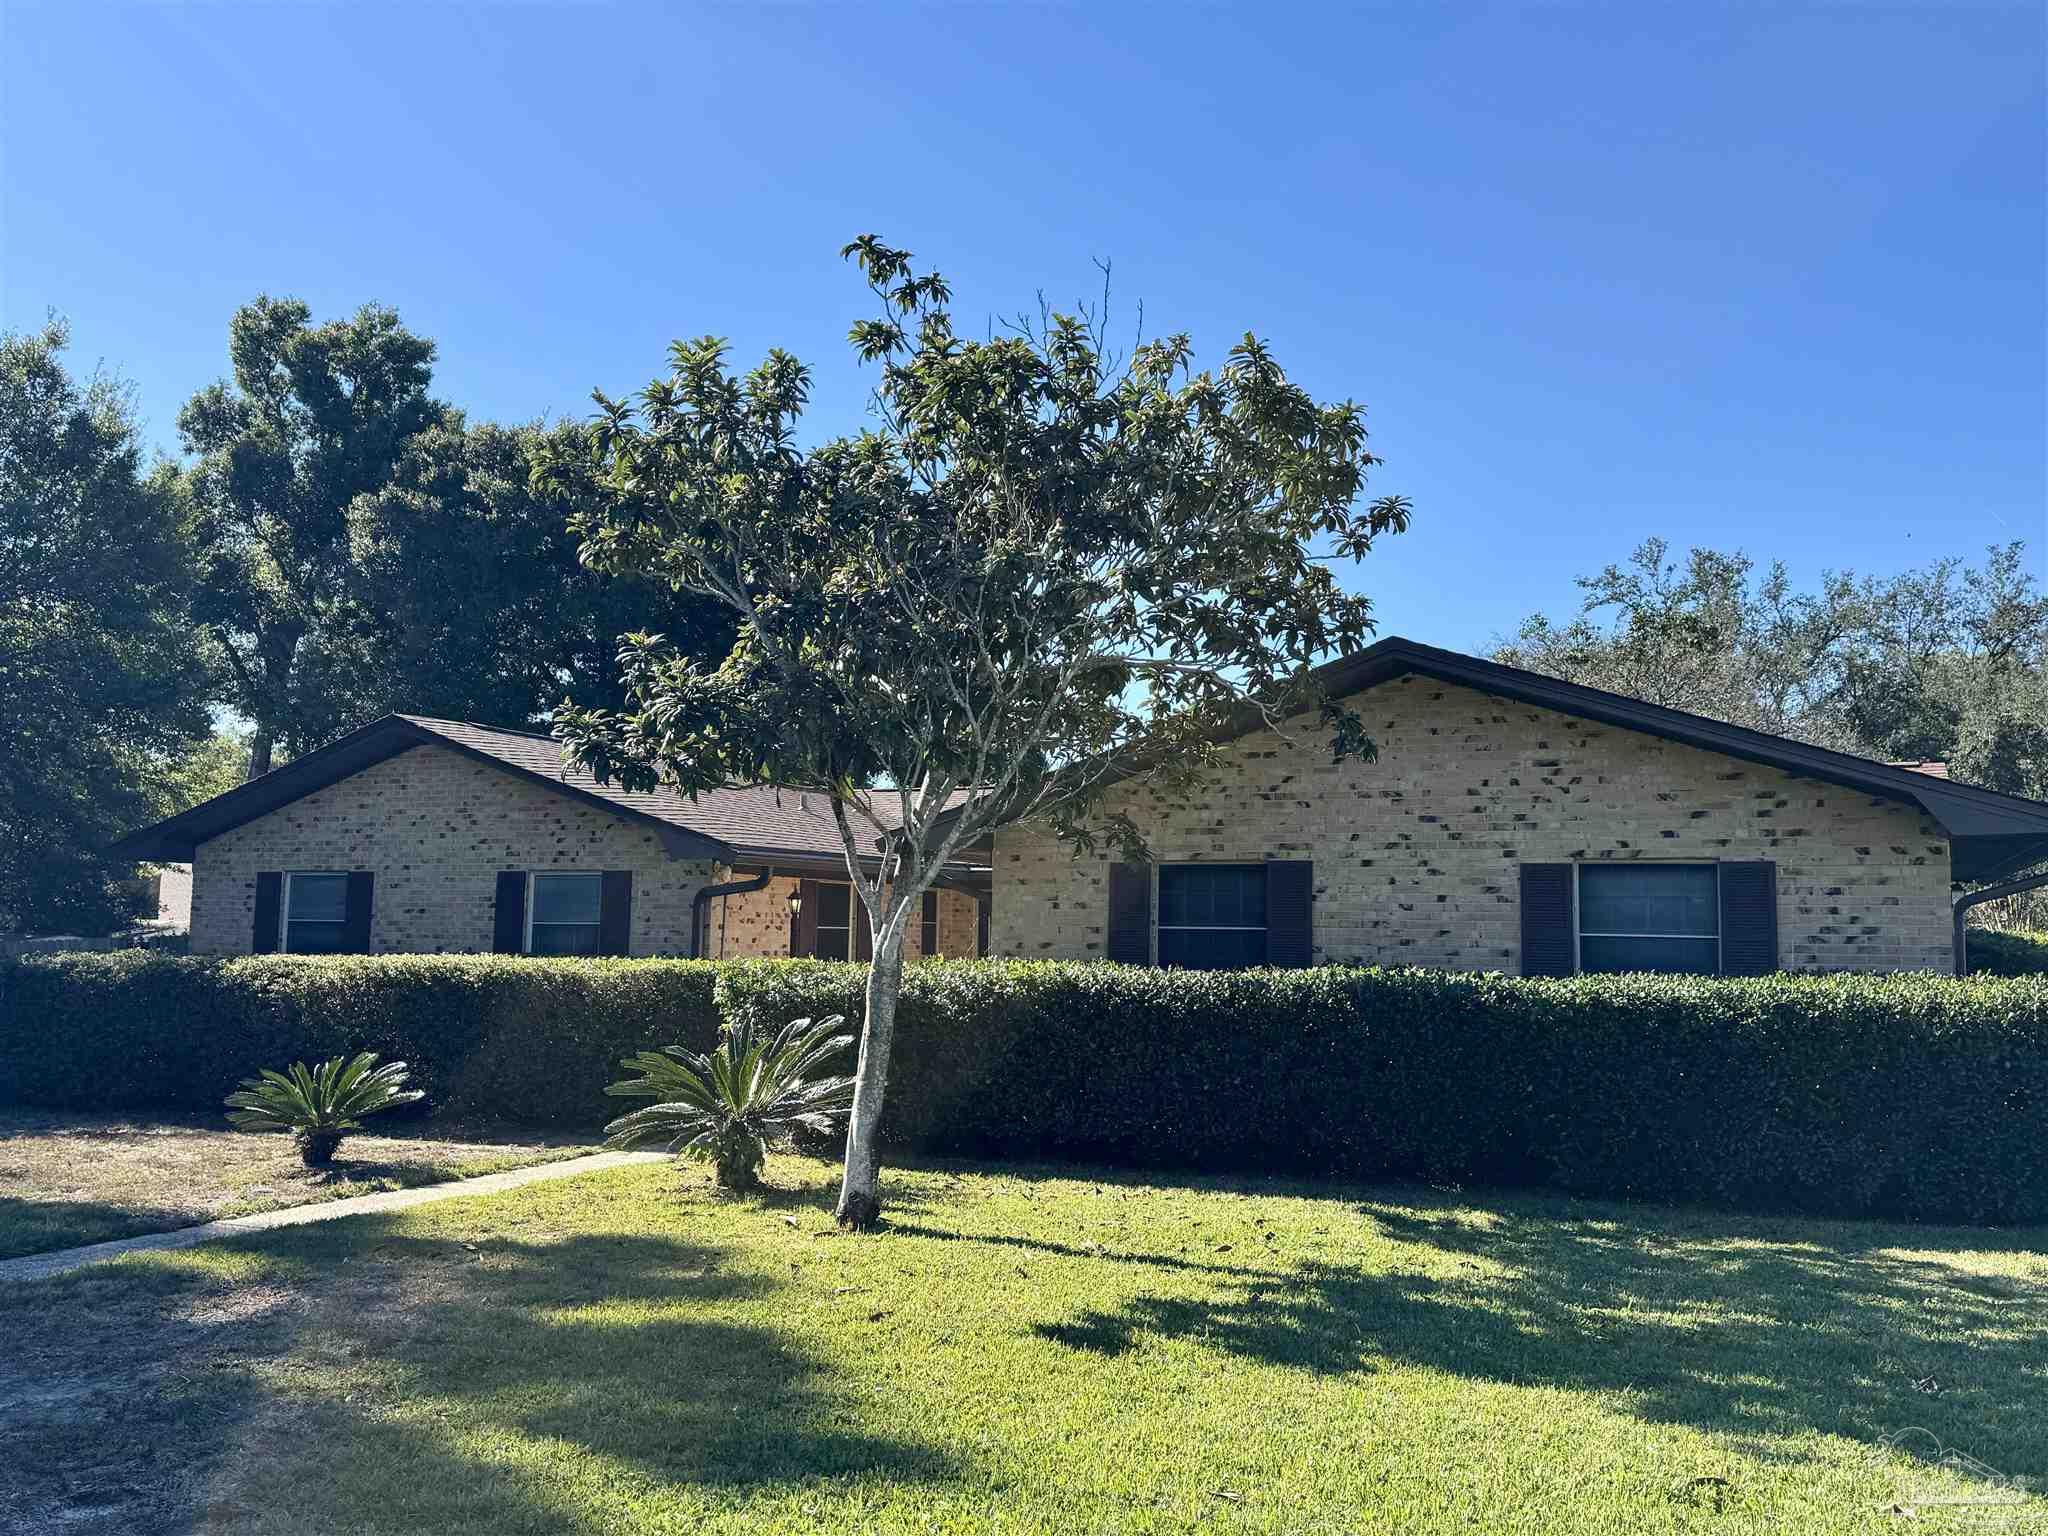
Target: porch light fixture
[796, 901]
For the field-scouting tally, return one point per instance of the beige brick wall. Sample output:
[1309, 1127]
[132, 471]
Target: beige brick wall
[756, 924]
[959, 925]
[1416, 855]
[436, 827]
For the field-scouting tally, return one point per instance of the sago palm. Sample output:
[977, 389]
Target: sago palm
[753, 1091]
[319, 1105]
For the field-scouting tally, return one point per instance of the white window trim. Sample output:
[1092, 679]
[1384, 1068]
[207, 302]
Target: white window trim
[1578, 934]
[533, 888]
[284, 905]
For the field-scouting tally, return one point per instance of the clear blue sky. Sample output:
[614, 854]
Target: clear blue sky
[1754, 276]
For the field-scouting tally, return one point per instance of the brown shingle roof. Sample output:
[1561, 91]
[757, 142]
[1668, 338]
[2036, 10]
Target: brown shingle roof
[759, 820]
[748, 826]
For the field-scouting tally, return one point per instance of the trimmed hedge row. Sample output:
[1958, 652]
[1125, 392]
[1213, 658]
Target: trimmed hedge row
[1910, 1096]
[530, 1040]
[1914, 1096]
[1995, 952]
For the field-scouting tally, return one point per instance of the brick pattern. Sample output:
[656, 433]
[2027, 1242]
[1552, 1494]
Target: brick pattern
[1416, 854]
[755, 924]
[436, 827]
[959, 925]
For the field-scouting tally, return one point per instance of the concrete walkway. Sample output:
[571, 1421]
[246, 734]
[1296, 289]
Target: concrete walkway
[37, 1266]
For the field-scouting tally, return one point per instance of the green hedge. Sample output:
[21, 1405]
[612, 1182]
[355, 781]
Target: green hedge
[1912, 1096]
[1995, 953]
[531, 1040]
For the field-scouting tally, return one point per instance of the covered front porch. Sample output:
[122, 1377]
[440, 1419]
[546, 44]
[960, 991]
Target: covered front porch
[806, 909]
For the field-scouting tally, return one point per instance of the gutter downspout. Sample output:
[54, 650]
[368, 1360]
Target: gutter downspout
[702, 900]
[1969, 899]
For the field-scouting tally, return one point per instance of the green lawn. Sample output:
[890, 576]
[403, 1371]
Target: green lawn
[1026, 1350]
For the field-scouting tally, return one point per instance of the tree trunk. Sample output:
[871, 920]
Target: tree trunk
[860, 1194]
[259, 752]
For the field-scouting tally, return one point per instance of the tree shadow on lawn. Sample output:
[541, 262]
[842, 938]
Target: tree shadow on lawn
[43, 1226]
[1758, 1328]
[412, 1381]
[122, 1385]
[488, 1380]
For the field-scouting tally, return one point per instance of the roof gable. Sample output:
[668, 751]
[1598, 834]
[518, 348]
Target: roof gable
[730, 825]
[1990, 835]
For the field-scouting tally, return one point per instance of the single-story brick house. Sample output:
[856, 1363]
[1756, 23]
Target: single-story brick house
[414, 835]
[1517, 823]
[1510, 822]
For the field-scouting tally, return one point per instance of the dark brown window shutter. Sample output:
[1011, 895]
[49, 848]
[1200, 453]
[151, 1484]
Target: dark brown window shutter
[508, 930]
[269, 898]
[863, 930]
[1290, 912]
[804, 937]
[1749, 918]
[1130, 914]
[981, 929]
[928, 925]
[1548, 947]
[615, 913]
[355, 928]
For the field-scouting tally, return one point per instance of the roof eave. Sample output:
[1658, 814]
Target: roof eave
[177, 838]
[1965, 812]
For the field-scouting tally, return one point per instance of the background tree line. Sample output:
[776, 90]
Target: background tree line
[336, 544]
[1942, 663]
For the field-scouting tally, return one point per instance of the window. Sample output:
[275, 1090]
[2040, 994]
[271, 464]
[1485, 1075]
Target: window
[315, 913]
[835, 923]
[562, 913]
[1212, 917]
[928, 925]
[1650, 917]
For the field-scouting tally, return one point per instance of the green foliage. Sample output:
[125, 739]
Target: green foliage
[529, 1041]
[320, 1105]
[368, 550]
[102, 682]
[1911, 1095]
[731, 1104]
[1039, 556]
[1916, 1096]
[1947, 662]
[2007, 954]
[315, 417]
[474, 603]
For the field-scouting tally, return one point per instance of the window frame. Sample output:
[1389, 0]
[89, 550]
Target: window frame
[284, 909]
[533, 880]
[852, 918]
[1159, 927]
[1579, 934]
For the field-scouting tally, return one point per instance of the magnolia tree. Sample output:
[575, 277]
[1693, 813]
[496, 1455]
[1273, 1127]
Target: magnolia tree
[1042, 564]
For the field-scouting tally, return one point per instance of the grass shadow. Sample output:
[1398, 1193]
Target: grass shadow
[607, 1348]
[160, 1397]
[1758, 1328]
[43, 1226]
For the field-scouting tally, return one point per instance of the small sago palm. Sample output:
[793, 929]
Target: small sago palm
[319, 1105]
[754, 1091]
